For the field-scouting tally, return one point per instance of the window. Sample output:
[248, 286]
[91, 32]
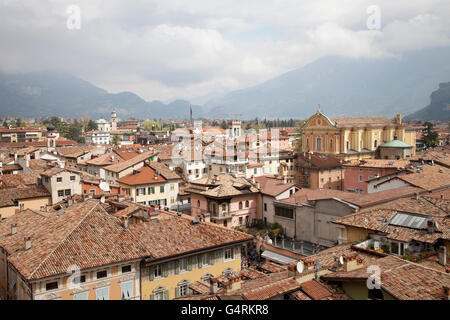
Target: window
[240, 221]
[182, 289]
[157, 271]
[228, 254]
[265, 206]
[102, 293]
[247, 204]
[72, 178]
[51, 286]
[348, 146]
[160, 293]
[102, 274]
[375, 143]
[67, 192]
[151, 190]
[240, 205]
[198, 203]
[284, 212]
[329, 179]
[81, 296]
[360, 178]
[126, 269]
[319, 143]
[172, 200]
[161, 189]
[127, 289]
[322, 180]
[172, 187]
[255, 171]
[58, 180]
[60, 193]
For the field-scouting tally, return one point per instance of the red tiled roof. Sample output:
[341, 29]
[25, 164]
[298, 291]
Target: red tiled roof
[315, 290]
[144, 175]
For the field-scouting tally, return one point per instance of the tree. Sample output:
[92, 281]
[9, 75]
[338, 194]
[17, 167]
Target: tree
[430, 137]
[116, 140]
[298, 141]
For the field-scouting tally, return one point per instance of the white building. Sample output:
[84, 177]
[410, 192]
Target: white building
[98, 137]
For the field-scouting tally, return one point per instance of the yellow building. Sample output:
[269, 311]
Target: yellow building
[82, 259]
[22, 198]
[184, 251]
[353, 138]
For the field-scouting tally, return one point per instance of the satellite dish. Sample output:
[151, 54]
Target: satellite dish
[104, 186]
[341, 260]
[300, 266]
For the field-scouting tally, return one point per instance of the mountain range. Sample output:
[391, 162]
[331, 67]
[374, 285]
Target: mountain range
[439, 107]
[341, 86]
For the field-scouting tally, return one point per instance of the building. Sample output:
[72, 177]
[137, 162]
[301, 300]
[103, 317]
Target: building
[77, 253]
[353, 138]
[21, 198]
[272, 190]
[61, 183]
[395, 150]
[410, 227]
[93, 166]
[97, 137]
[319, 171]
[227, 200]
[358, 172]
[22, 134]
[114, 172]
[183, 251]
[153, 184]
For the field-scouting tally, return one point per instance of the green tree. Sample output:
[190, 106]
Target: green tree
[116, 140]
[430, 137]
[298, 141]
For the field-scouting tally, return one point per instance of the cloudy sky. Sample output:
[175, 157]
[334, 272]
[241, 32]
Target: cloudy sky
[190, 48]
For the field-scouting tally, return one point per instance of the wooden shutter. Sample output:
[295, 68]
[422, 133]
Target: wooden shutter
[152, 273]
[199, 262]
[211, 258]
[177, 267]
[190, 262]
[165, 270]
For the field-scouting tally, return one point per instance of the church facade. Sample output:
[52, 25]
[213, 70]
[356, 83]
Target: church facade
[353, 138]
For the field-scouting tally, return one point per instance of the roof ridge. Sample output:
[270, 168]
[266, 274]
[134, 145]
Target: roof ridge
[65, 238]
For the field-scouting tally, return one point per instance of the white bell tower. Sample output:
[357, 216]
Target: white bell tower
[113, 120]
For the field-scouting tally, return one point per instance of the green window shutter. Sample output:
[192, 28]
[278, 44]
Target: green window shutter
[161, 189]
[199, 262]
[152, 297]
[152, 273]
[165, 270]
[190, 261]
[177, 292]
[211, 259]
[177, 267]
[166, 295]
[232, 253]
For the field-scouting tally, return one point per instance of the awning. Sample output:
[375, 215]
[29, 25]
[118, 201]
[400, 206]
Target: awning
[274, 256]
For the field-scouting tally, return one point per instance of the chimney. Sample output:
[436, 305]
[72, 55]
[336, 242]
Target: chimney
[126, 223]
[417, 196]
[27, 243]
[14, 228]
[447, 292]
[213, 285]
[350, 262]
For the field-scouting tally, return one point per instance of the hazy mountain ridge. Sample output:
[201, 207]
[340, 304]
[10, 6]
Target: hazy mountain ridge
[50, 93]
[439, 107]
[342, 87]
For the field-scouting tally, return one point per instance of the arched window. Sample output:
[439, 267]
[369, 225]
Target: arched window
[182, 289]
[228, 271]
[307, 143]
[206, 277]
[224, 207]
[247, 204]
[160, 293]
[348, 146]
[331, 144]
[319, 143]
[375, 143]
[240, 205]
[198, 203]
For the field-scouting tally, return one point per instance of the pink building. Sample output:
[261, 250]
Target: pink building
[358, 172]
[224, 199]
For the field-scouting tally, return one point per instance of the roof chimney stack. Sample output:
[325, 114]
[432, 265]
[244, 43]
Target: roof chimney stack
[27, 243]
[14, 228]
